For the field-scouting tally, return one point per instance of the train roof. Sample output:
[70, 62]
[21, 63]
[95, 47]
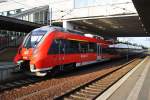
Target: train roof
[122, 45]
[52, 28]
[47, 29]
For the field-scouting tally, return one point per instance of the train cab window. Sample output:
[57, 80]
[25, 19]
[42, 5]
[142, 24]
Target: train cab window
[34, 38]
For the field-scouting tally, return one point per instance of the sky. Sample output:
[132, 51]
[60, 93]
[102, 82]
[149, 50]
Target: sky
[28, 4]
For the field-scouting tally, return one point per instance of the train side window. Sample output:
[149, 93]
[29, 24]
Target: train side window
[54, 48]
[84, 47]
[92, 48]
[72, 46]
[107, 50]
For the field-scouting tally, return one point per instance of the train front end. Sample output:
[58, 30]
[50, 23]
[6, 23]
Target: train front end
[25, 52]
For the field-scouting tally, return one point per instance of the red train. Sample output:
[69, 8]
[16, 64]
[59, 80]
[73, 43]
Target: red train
[48, 48]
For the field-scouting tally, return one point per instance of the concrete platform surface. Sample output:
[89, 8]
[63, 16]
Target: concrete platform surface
[135, 87]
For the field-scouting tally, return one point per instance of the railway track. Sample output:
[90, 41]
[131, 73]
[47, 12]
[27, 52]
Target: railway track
[22, 81]
[91, 90]
[19, 83]
[47, 87]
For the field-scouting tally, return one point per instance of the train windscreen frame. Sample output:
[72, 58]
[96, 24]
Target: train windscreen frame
[33, 38]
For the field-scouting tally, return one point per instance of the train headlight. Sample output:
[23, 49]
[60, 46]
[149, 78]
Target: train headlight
[19, 62]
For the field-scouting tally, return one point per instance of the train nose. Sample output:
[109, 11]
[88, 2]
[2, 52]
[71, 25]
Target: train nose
[18, 66]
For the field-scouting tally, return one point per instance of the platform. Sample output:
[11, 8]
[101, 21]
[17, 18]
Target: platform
[6, 69]
[133, 86]
[6, 64]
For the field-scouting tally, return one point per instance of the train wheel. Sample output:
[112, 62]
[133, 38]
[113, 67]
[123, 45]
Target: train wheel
[58, 69]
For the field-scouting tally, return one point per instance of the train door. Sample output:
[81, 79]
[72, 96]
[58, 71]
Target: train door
[57, 50]
[84, 51]
[61, 54]
[98, 52]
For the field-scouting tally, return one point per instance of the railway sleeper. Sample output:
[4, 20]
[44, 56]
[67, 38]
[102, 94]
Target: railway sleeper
[76, 97]
[17, 83]
[10, 85]
[92, 89]
[25, 82]
[95, 87]
[85, 94]
[89, 92]
[3, 88]
[98, 85]
[31, 80]
[67, 99]
[102, 83]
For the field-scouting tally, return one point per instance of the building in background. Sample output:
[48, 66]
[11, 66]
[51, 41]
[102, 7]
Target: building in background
[11, 12]
[37, 15]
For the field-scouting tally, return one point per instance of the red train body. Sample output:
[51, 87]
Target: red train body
[48, 47]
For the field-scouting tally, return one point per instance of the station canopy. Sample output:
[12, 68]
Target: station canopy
[128, 25]
[143, 8]
[12, 24]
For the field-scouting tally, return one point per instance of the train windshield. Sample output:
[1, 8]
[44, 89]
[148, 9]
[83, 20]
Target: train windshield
[34, 38]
